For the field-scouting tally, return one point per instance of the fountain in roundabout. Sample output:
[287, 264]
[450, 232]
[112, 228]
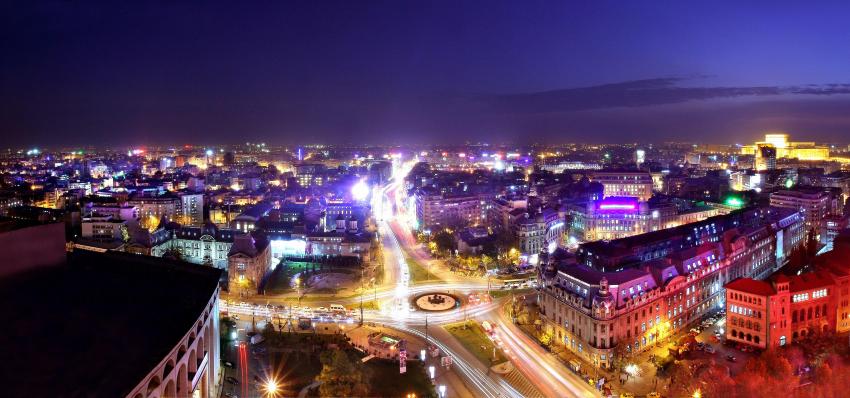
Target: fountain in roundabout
[436, 302]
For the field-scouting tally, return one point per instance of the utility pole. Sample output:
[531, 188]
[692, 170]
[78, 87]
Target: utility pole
[290, 318]
[426, 331]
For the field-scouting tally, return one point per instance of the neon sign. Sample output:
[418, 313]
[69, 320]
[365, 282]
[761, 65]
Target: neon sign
[616, 206]
[618, 203]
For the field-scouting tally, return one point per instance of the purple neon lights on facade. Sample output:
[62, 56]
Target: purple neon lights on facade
[616, 206]
[618, 203]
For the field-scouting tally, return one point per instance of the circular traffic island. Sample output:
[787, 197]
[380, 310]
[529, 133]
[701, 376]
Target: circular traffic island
[436, 302]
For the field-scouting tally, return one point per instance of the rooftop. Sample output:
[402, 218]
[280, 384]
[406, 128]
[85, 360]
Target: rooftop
[810, 280]
[751, 286]
[102, 327]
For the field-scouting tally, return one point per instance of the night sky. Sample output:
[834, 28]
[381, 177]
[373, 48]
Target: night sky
[421, 72]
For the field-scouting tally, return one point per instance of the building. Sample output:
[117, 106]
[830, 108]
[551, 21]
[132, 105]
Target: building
[109, 354]
[773, 313]
[309, 175]
[103, 228]
[765, 157]
[615, 218]
[153, 207]
[247, 221]
[599, 314]
[787, 149]
[192, 208]
[207, 244]
[438, 210]
[506, 212]
[621, 183]
[342, 210]
[28, 244]
[835, 261]
[339, 243]
[815, 204]
[114, 210]
[248, 261]
[633, 250]
[471, 241]
[540, 232]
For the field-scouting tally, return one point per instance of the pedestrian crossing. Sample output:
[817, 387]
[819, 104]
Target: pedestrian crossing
[518, 381]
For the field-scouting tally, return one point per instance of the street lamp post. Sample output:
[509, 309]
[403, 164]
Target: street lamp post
[362, 288]
[426, 330]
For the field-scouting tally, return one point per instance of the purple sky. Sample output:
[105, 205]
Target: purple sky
[442, 72]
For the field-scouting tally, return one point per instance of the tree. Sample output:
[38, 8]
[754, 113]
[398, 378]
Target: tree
[769, 374]
[444, 240]
[716, 381]
[173, 254]
[811, 244]
[505, 240]
[341, 376]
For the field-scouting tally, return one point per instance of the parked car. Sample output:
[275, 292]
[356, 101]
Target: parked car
[731, 358]
[229, 364]
[229, 394]
[232, 380]
[709, 349]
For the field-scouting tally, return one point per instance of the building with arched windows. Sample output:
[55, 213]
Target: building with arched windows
[113, 325]
[772, 313]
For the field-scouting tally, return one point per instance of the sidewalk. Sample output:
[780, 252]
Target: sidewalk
[641, 385]
[359, 336]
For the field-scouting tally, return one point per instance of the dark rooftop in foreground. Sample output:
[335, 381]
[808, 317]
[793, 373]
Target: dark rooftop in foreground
[96, 325]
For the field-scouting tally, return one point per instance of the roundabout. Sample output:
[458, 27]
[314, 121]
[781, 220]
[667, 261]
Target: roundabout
[436, 302]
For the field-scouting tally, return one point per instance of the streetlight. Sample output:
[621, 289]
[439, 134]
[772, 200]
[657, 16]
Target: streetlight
[697, 394]
[442, 389]
[271, 387]
[632, 370]
[431, 370]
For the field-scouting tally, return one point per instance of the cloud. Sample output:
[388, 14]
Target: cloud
[639, 93]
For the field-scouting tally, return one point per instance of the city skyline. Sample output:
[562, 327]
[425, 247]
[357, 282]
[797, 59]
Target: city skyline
[425, 199]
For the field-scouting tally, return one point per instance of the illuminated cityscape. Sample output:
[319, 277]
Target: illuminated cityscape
[348, 199]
